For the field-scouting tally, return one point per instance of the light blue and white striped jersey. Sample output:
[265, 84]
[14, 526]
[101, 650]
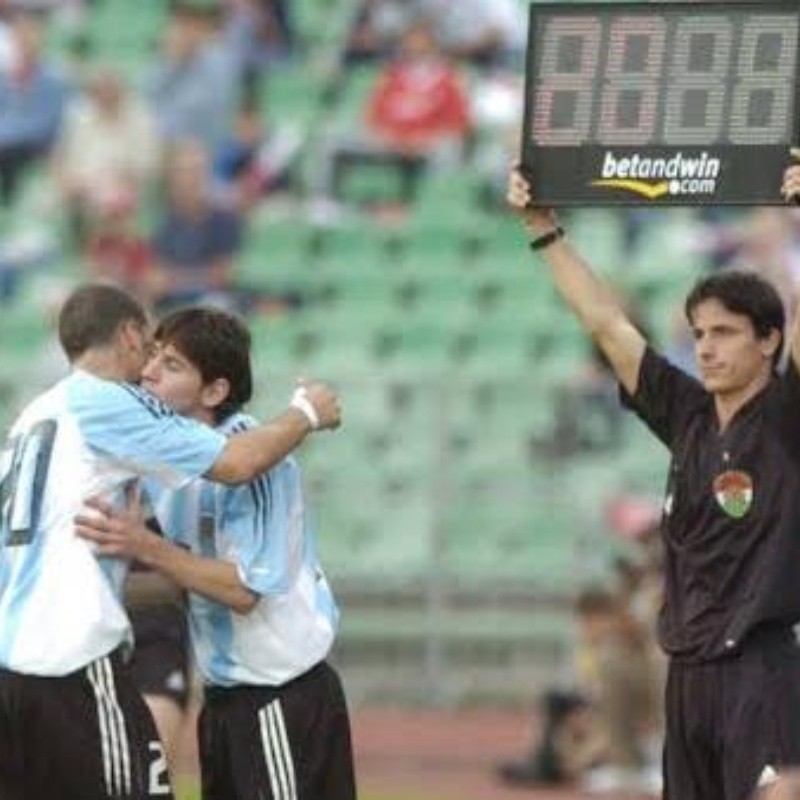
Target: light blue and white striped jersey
[263, 528]
[60, 604]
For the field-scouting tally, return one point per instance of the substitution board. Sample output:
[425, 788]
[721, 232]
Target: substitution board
[664, 103]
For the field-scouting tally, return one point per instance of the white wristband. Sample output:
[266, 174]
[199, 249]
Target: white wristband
[301, 402]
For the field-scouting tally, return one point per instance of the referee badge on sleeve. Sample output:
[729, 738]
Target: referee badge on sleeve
[734, 492]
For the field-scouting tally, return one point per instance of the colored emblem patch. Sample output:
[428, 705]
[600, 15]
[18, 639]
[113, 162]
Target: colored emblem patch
[734, 493]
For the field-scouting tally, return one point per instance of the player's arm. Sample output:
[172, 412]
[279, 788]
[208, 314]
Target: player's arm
[251, 453]
[130, 427]
[593, 302]
[791, 193]
[213, 578]
[124, 534]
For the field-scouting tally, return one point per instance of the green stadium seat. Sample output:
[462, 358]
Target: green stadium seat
[527, 538]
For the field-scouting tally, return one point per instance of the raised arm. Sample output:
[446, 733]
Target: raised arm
[791, 193]
[247, 455]
[593, 302]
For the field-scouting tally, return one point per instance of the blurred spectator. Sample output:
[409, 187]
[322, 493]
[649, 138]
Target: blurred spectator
[771, 246]
[717, 235]
[602, 732]
[569, 743]
[587, 414]
[497, 108]
[260, 33]
[587, 417]
[115, 250]
[419, 101]
[485, 32]
[257, 159]
[417, 115]
[623, 685]
[378, 28]
[197, 240]
[195, 87]
[680, 345]
[6, 44]
[641, 583]
[32, 99]
[108, 150]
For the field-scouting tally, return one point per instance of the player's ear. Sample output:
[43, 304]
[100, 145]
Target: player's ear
[215, 393]
[771, 343]
[129, 334]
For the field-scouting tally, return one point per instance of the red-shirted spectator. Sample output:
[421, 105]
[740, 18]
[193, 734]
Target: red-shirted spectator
[115, 250]
[419, 100]
[417, 115]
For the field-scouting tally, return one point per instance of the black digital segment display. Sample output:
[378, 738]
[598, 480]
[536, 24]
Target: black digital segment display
[663, 103]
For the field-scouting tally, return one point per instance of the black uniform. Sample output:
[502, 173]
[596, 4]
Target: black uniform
[731, 530]
[264, 741]
[119, 756]
[160, 662]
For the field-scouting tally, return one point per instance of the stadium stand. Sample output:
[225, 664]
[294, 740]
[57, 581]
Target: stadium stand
[450, 352]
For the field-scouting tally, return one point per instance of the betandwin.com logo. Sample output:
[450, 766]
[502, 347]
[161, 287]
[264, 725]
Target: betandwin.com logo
[653, 178]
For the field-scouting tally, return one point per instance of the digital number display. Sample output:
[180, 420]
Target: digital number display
[661, 103]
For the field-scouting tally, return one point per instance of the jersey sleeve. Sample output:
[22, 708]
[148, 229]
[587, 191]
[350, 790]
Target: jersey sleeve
[133, 429]
[666, 398]
[259, 521]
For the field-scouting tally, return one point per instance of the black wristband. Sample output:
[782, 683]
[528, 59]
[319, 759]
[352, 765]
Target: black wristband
[546, 239]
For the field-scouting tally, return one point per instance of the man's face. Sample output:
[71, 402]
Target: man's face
[729, 354]
[172, 378]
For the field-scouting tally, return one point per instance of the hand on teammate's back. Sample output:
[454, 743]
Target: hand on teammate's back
[326, 403]
[115, 532]
[520, 198]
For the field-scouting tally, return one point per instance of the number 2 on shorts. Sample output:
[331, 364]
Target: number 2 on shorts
[158, 784]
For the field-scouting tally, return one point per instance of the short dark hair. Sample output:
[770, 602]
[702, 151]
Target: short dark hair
[597, 600]
[742, 292]
[217, 343]
[92, 315]
[210, 10]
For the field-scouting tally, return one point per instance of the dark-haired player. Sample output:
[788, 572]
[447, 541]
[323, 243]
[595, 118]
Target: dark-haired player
[262, 616]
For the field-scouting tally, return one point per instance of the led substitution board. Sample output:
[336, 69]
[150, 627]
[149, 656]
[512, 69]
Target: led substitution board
[663, 103]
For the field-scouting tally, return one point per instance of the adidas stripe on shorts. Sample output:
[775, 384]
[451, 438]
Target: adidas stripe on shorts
[290, 742]
[83, 736]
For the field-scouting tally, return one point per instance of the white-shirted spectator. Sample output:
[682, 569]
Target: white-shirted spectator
[483, 31]
[109, 147]
[196, 85]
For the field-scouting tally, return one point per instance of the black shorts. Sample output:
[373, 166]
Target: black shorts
[83, 736]
[732, 722]
[160, 662]
[278, 743]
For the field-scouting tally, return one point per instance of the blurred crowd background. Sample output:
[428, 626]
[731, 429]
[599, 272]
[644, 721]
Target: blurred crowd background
[334, 171]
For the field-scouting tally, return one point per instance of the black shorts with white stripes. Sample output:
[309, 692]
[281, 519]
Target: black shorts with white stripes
[83, 736]
[160, 663]
[289, 742]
